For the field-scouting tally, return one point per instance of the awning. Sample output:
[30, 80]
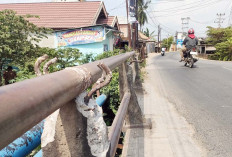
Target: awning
[210, 48]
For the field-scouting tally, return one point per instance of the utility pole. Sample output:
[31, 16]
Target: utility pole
[129, 27]
[159, 37]
[137, 26]
[230, 18]
[185, 23]
[219, 19]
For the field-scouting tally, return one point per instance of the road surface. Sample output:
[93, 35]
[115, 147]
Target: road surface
[202, 95]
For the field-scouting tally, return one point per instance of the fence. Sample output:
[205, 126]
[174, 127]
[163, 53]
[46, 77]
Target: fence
[24, 104]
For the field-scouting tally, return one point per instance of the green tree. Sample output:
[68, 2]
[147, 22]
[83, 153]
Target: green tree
[18, 39]
[148, 34]
[218, 35]
[67, 57]
[221, 39]
[142, 16]
[224, 50]
[167, 42]
[112, 89]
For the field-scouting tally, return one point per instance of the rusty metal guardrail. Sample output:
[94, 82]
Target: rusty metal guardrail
[24, 104]
[116, 127]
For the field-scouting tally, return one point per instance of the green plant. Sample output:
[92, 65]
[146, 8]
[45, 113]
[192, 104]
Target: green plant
[111, 90]
[222, 40]
[18, 39]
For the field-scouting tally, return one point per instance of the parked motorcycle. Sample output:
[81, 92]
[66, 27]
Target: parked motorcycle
[190, 57]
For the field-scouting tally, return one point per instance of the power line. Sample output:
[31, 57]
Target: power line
[230, 19]
[181, 11]
[182, 6]
[158, 23]
[185, 23]
[200, 22]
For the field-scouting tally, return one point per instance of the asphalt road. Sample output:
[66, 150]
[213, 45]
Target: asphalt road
[203, 95]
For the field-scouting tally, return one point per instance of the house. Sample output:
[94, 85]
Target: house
[82, 25]
[204, 48]
[123, 27]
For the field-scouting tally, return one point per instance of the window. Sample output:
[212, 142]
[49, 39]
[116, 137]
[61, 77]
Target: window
[105, 47]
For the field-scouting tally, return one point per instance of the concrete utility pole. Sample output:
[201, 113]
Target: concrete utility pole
[230, 18]
[185, 23]
[137, 26]
[159, 37]
[129, 27]
[219, 20]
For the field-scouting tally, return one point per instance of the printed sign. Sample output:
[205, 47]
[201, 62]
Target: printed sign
[179, 43]
[78, 36]
[132, 10]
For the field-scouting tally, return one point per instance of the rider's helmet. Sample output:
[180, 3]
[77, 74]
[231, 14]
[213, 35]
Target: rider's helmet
[191, 31]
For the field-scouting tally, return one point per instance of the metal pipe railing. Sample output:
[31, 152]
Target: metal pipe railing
[116, 127]
[24, 104]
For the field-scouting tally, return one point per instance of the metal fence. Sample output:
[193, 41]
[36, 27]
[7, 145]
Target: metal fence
[24, 104]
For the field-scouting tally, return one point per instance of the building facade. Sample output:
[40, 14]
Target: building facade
[82, 25]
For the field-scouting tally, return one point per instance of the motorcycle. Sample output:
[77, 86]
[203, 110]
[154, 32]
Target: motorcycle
[162, 53]
[190, 57]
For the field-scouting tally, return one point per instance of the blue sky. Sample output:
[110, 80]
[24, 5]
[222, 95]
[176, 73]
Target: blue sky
[168, 13]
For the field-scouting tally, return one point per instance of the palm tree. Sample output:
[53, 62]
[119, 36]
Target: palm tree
[142, 16]
[148, 34]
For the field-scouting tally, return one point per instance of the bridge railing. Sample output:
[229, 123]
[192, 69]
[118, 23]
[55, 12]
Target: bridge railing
[24, 104]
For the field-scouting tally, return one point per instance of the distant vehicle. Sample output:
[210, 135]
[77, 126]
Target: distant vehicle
[163, 51]
[190, 58]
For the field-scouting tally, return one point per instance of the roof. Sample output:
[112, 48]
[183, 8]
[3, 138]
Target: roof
[210, 48]
[111, 21]
[142, 36]
[61, 15]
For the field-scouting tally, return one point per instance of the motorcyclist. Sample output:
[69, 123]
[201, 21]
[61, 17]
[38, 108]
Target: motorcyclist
[163, 50]
[189, 42]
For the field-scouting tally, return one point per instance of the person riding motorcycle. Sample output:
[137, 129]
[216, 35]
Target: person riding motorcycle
[189, 42]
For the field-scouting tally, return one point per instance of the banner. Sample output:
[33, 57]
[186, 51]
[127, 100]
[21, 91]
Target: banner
[132, 11]
[179, 43]
[78, 36]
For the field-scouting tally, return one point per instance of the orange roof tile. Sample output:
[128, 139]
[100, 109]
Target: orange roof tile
[60, 15]
[109, 21]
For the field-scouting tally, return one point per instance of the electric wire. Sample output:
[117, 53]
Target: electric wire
[188, 9]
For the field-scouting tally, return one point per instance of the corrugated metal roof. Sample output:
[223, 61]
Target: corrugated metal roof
[60, 15]
[142, 36]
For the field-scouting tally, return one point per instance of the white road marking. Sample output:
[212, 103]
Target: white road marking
[225, 106]
[227, 68]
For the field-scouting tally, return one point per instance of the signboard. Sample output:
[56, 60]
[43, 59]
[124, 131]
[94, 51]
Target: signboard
[79, 36]
[179, 43]
[132, 11]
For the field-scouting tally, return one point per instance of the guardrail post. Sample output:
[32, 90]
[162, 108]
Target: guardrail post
[70, 134]
[134, 113]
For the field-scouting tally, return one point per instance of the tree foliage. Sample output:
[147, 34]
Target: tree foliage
[112, 89]
[148, 34]
[67, 57]
[18, 39]
[224, 50]
[167, 42]
[142, 16]
[221, 38]
[218, 35]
